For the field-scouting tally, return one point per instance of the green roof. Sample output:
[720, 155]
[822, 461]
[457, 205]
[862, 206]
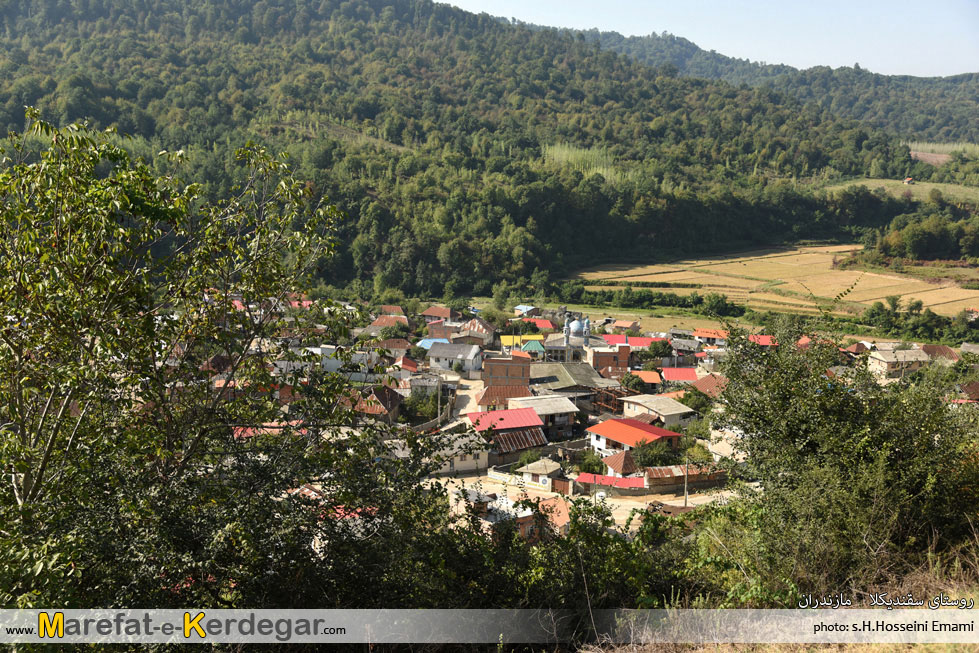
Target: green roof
[533, 345]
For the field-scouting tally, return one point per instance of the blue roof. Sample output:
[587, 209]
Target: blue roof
[523, 307]
[426, 343]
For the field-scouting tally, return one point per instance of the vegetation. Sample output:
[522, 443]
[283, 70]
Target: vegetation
[931, 108]
[466, 152]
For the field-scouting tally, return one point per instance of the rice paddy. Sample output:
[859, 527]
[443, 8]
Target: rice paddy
[800, 279]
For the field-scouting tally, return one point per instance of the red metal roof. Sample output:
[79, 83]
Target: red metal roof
[615, 338]
[710, 333]
[513, 418]
[679, 374]
[540, 323]
[622, 463]
[612, 481]
[630, 432]
[642, 343]
[648, 376]
[763, 340]
[390, 321]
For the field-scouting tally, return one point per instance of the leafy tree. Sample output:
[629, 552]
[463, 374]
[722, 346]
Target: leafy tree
[632, 382]
[852, 490]
[591, 463]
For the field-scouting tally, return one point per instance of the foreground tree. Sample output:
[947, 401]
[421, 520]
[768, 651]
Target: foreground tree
[856, 481]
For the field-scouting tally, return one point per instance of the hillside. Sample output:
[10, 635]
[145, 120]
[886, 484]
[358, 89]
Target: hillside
[465, 151]
[930, 108]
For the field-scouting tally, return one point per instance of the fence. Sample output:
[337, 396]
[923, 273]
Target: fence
[434, 423]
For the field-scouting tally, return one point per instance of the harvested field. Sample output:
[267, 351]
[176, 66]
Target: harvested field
[800, 279]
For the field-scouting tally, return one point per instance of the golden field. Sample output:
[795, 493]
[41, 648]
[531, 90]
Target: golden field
[800, 279]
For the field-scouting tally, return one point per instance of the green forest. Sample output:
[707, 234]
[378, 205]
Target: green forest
[464, 151]
[925, 108]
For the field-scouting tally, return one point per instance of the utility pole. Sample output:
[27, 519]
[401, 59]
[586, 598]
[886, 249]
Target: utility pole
[686, 473]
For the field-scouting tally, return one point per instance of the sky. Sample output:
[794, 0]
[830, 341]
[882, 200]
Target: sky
[927, 37]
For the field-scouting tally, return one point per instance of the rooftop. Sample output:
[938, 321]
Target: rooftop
[659, 404]
[630, 432]
[513, 418]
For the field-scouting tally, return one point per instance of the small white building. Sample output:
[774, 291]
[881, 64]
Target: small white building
[445, 356]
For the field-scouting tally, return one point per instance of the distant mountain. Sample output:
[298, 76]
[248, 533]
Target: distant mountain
[466, 152]
[942, 109]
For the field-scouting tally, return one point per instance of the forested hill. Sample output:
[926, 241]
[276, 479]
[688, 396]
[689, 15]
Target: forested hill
[921, 108]
[465, 151]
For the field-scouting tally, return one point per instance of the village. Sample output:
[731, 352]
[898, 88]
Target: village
[560, 408]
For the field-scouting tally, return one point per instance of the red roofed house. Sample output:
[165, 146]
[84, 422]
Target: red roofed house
[763, 340]
[540, 323]
[389, 309]
[624, 326]
[495, 397]
[679, 374]
[941, 353]
[381, 402]
[710, 336]
[512, 431]
[384, 321]
[615, 338]
[615, 435]
[434, 313]
[711, 385]
[397, 346]
[620, 464]
[407, 364]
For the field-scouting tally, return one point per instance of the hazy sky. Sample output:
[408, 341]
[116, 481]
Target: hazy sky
[898, 37]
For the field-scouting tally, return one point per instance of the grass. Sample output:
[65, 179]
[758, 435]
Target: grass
[586, 160]
[798, 280]
[969, 149]
[919, 190]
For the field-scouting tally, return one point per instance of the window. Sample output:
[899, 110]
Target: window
[462, 458]
[535, 478]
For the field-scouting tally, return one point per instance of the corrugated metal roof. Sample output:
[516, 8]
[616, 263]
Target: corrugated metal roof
[499, 420]
[634, 482]
[518, 439]
[630, 432]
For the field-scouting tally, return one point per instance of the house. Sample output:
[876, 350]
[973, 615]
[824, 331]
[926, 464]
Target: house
[541, 472]
[445, 357]
[896, 364]
[620, 464]
[406, 364]
[475, 331]
[511, 431]
[942, 354]
[525, 310]
[615, 435]
[610, 362]
[467, 453]
[679, 375]
[444, 329]
[534, 349]
[540, 323]
[379, 402]
[494, 397]
[679, 333]
[510, 371]
[434, 313]
[570, 379]
[711, 336]
[711, 385]
[669, 411]
[762, 339]
[673, 478]
[397, 347]
[384, 321]
[650, 378]
[556, 412]
[390, 309]
[685, 346]
[624, 326]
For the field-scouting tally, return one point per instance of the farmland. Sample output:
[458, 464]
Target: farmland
[920, 190]
[798, 280]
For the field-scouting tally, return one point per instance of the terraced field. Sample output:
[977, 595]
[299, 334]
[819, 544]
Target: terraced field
[800, 279]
